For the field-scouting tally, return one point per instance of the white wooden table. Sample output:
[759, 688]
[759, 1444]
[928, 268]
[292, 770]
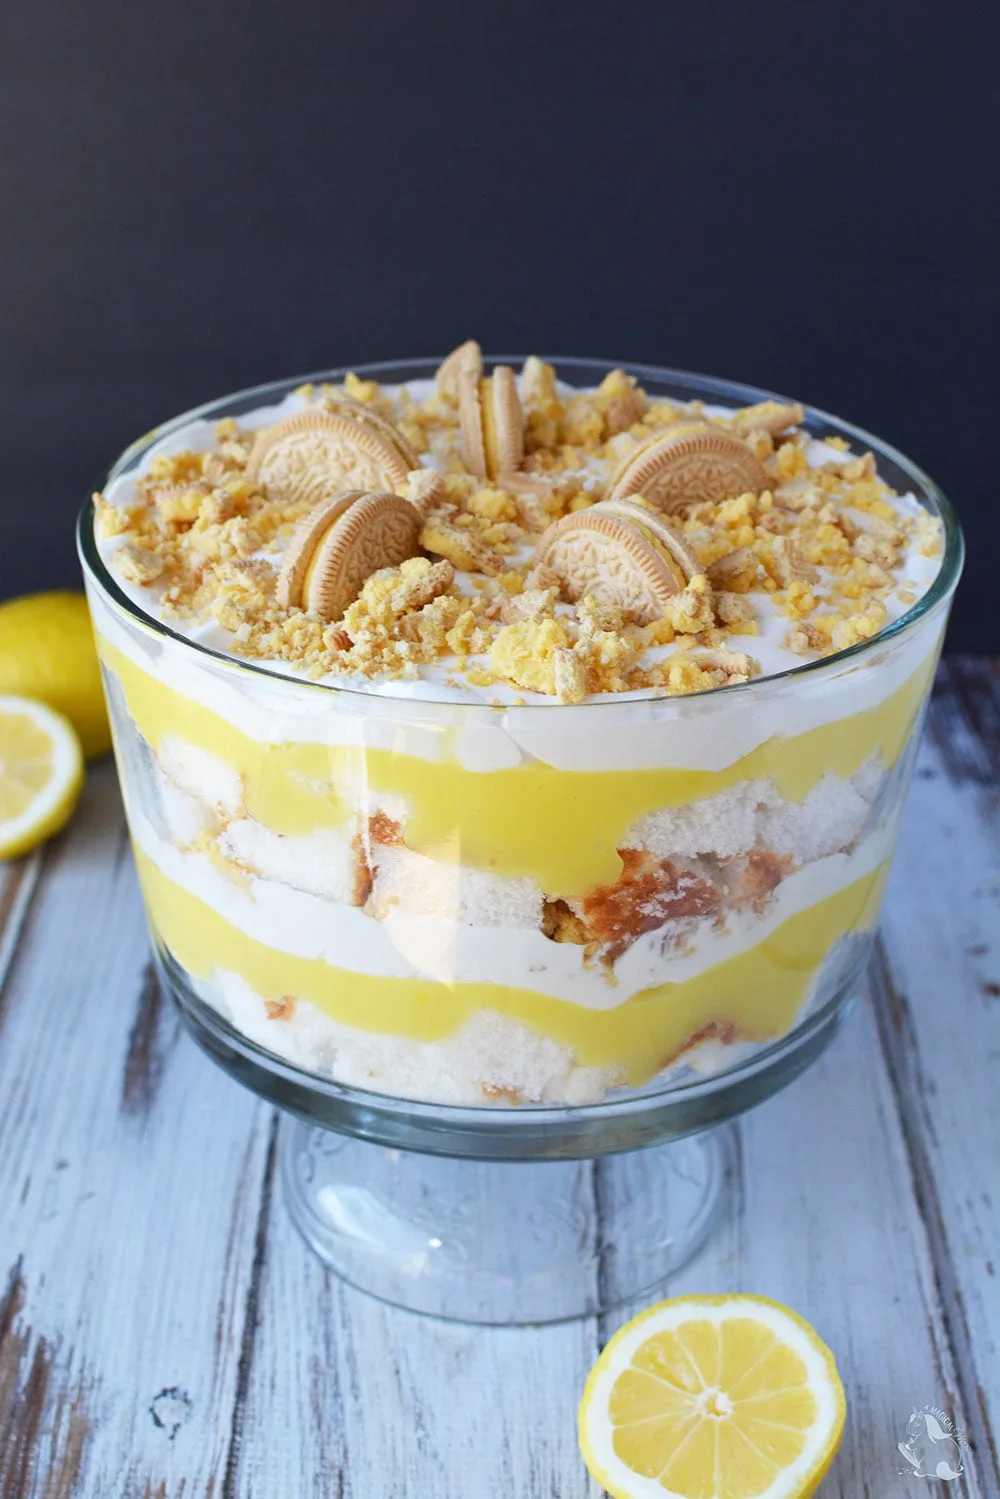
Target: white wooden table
[164, 1333]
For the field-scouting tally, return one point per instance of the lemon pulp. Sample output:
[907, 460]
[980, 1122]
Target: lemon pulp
[41, 773]
[713, 1398]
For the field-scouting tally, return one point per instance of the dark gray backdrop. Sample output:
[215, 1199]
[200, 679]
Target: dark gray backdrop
[203, 196]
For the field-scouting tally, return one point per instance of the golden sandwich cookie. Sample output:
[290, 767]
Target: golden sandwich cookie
[344, 405]
[650, 521]
[687, 466]
[338, 546]
[468, 356]
[318, 454]
[491, 422]
[616, 557]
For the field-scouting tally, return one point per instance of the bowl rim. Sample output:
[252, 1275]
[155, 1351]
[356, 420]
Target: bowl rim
[699, 387]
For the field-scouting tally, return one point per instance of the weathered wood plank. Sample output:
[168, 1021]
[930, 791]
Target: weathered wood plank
[18, 885]
[821, 1216]
[385, 1403]
[164, 1332]
[939, 990]
[130, 1180]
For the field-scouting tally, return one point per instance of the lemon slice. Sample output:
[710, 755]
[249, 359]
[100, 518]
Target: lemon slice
[712, 1397]
[41, 773]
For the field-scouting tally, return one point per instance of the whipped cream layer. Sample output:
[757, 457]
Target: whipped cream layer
[407, 945]
[708, 732]
[491, 1058]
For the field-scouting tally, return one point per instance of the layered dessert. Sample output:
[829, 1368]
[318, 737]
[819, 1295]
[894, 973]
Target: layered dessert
[494, 739]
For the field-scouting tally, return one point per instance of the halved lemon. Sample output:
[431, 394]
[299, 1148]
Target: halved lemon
[47, 652]
[41, 773]
[712, 1397]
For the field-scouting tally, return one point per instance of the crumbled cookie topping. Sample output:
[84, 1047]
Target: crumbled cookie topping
[824, 546]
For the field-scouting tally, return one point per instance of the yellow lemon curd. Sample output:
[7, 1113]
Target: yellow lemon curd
[559, 828]
[758, 992]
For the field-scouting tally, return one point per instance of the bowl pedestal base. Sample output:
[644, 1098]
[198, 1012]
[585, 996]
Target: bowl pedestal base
[508, 1215]
[502, 1242]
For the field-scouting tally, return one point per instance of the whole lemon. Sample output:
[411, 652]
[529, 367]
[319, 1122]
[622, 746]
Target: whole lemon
[47, 652]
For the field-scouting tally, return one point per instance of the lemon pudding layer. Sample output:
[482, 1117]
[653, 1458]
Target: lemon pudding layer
[529, 812]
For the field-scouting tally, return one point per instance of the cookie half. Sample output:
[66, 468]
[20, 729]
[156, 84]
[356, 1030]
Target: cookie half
[684, 467]
[340, 545]
[491, 422]
[468, 356]
[344, 405]
[655, 528]
[598, 553]
[316, 455]
[301, 550]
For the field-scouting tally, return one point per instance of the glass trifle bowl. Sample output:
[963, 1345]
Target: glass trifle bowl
[483, 935]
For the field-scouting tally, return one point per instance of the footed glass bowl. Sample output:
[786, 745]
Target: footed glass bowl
[319, 876]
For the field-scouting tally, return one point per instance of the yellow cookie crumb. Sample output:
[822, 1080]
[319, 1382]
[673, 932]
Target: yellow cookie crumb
[138, 565]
